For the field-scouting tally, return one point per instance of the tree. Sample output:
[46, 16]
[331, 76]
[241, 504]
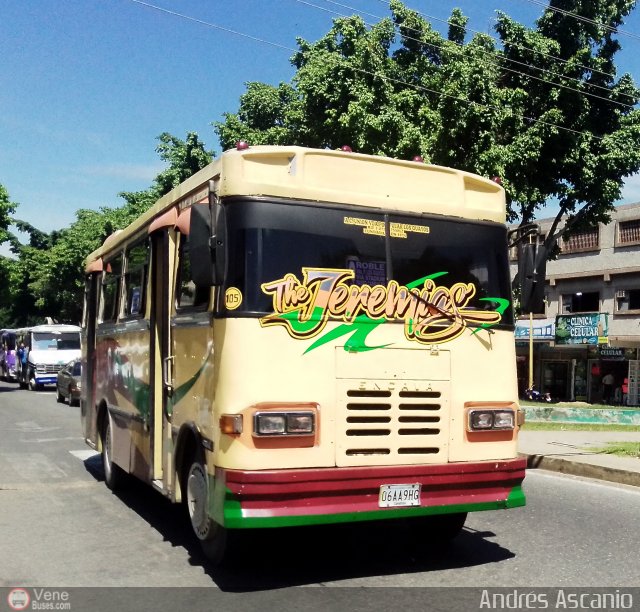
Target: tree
[583, 165]
[7, 208]
[542, 107]
[47, 279]
[184, 158]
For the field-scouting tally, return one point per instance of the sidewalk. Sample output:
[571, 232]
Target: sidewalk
[569, 452]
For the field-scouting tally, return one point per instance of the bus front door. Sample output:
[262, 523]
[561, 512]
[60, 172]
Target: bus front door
[161, 370]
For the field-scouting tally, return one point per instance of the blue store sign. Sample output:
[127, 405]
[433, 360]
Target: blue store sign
[543, 329]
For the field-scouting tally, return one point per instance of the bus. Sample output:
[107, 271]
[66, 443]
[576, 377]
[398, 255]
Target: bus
[8, 370]
[49, 348]
[298, 337]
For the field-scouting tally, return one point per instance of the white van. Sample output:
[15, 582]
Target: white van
[50, 348]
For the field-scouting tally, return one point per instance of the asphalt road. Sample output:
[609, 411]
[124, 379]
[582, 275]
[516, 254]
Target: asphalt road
[61, 527]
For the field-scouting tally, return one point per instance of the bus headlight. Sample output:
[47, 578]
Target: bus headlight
[283, 423]
[504, 419]
[484, 420]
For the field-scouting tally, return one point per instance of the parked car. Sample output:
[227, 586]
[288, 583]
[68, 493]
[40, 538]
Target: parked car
[68, 384]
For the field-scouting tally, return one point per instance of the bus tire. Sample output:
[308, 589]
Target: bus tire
[114, 475]
[213, 538]
[33, 385]
[436, 531]
[445, 527]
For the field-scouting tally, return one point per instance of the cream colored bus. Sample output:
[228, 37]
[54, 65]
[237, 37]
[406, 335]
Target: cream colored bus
[296, 336]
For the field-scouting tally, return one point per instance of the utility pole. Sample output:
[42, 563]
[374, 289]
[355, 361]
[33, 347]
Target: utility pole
[531, 333]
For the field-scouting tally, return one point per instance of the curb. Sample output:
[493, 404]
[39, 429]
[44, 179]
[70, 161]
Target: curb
[586, 470]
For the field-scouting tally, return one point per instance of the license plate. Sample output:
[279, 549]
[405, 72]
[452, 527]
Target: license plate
[399, 495]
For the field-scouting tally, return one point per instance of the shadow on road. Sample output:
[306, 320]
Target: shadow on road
[268, 559]
[8, 387]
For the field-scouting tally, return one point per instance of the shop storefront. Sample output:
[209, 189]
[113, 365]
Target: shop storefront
[621, 365]
[572, 360]
[542, 332]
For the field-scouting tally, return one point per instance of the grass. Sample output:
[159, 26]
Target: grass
[622, 449]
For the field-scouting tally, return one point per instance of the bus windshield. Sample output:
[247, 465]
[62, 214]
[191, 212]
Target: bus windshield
[270, 240]
[8, 341]
[51, 341]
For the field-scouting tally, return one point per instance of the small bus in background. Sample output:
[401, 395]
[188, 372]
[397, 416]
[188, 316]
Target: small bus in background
[8, 370]
[300, 336]
[50, 347]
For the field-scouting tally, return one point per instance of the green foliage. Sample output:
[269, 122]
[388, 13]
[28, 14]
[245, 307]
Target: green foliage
[47, 278]
[542, 109]
[7, 208]
[184, 158]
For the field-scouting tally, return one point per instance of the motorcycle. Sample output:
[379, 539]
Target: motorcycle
[533, 395]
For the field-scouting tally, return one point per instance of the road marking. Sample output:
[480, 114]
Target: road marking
[31, 426]
[53, 439]
[83, 455]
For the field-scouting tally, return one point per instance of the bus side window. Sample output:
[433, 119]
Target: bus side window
[111, 289]
[135, 279]
[188, 294]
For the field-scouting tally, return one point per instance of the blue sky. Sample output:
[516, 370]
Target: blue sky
[86, 86]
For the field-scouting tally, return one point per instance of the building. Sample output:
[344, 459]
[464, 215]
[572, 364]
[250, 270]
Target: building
[591, 324]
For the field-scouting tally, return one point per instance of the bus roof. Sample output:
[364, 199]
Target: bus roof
[52, 328]
[322, 175]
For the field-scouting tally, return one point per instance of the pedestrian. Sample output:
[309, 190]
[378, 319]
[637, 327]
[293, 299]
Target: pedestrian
[608, 381]
[625, 391]
[22, 354]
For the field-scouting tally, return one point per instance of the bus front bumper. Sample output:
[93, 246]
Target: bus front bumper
[286, 498]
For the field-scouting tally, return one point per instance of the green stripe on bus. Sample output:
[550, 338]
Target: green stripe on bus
[516, 498]
[233, 519]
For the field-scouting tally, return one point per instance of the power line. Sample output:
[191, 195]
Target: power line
[212, 25]
[367, 72]
[525, 48]
[585, 19]
[434, 45]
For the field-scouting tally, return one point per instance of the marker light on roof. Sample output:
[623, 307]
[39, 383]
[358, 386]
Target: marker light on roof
[346, 149]
[418, 158]
[241, 145]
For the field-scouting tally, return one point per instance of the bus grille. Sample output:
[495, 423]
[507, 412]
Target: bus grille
[48, 368]
[393, 425]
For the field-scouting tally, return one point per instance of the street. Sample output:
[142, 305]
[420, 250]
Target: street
[60, 526]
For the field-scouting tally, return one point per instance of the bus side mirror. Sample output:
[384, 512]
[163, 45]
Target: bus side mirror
[207, 244]
[532, 267]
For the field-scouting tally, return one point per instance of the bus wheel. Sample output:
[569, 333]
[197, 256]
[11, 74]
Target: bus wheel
[33, 385]
[445, 527]
[440, 529]
[113, 474]
[212, 536]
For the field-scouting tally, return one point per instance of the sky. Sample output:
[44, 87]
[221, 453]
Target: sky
[87, 86]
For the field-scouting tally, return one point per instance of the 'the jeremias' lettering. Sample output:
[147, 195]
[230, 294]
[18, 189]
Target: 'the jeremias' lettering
[431, 313]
